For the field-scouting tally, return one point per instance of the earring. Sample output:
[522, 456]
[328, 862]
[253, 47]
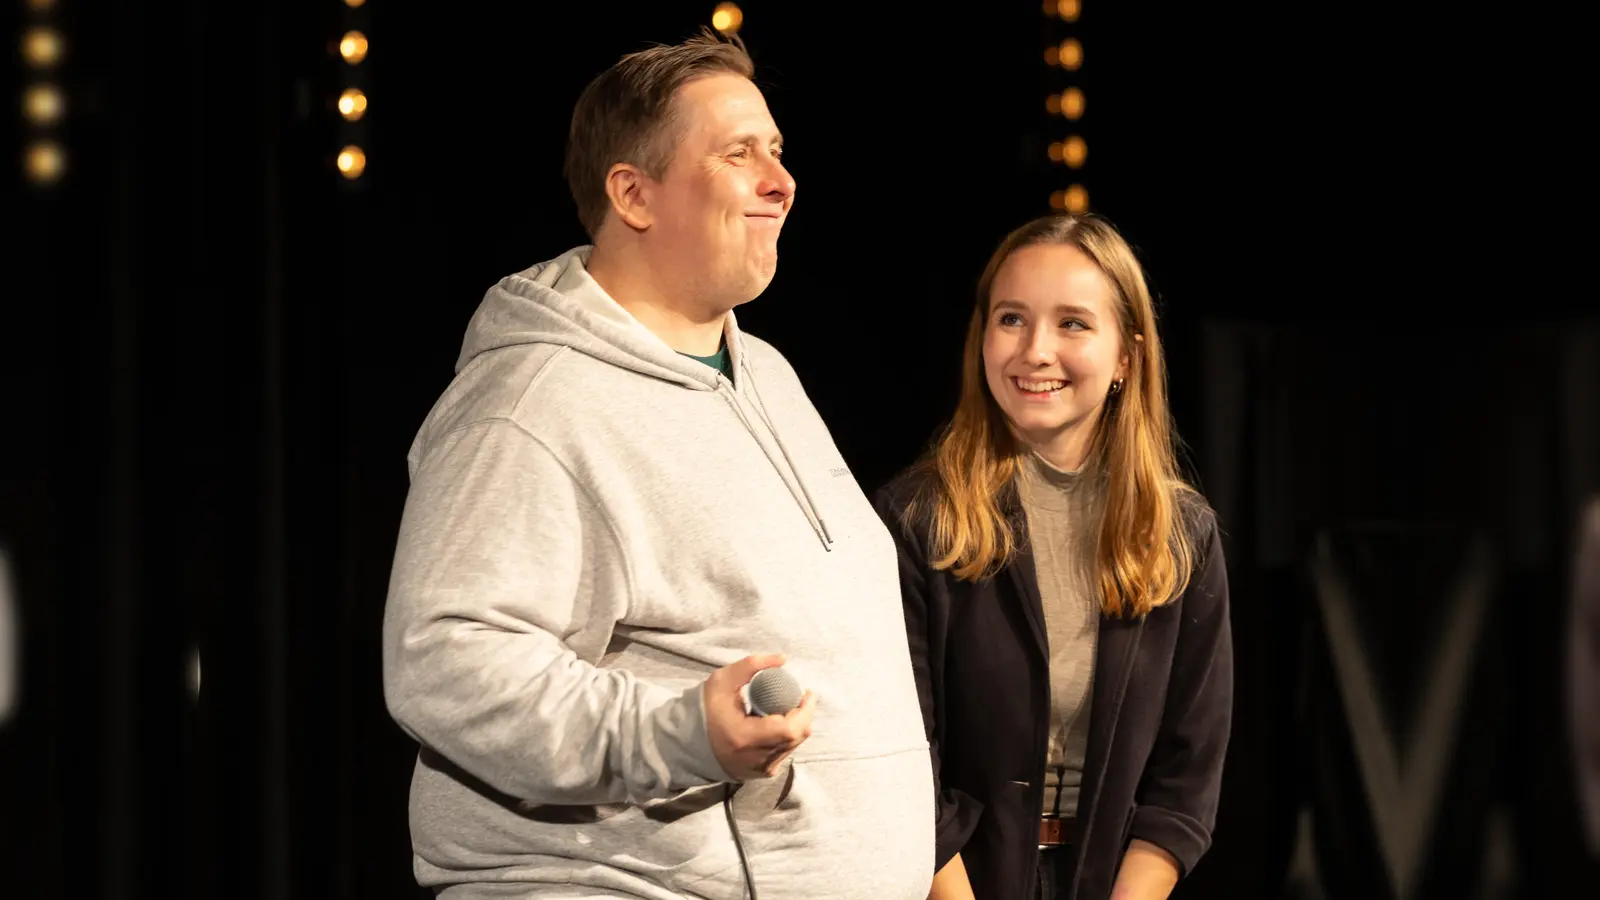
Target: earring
[1116, 386]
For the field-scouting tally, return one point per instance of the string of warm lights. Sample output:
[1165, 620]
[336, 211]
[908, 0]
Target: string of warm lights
[352, 100]
[44, 104]
[1071, 151]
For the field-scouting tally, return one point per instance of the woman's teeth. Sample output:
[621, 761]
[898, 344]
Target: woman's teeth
[1040, 387]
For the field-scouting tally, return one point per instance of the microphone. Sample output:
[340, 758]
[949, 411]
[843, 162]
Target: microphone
[774, 692]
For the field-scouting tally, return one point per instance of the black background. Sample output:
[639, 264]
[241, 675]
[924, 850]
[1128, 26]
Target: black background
[216, 352]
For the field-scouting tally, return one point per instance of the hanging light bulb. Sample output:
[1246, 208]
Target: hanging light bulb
[352, 104]
[1076, 200]
[42, 47]
[727, 18]
[353, 47]
[1070, 54]
[43, 104]
[1071, 103]
[45, 162]
[352, 162]
[1074, 151]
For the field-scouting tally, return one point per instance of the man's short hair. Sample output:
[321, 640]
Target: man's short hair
[626, 114]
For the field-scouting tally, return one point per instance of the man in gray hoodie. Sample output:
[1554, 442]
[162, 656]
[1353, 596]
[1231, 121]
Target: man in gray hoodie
[621, 508]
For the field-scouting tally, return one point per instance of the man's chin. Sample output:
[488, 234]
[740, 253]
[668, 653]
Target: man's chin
[761, 277]
[753, 292]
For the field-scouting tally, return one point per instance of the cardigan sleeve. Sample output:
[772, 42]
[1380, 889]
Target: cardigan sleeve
[1177, 796]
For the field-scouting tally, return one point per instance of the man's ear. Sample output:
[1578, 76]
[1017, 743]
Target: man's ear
[627, 187]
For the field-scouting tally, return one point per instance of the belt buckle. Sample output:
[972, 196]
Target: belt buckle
[1049, 832]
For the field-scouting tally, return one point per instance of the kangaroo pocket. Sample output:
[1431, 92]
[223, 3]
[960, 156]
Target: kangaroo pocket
[826, 829]
[836, 829]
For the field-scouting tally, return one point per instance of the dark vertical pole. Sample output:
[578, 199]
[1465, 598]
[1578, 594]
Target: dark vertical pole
[275, 849]
[122, 572]
[1579, 417]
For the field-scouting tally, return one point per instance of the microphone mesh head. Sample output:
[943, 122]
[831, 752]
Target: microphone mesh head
[774, 692]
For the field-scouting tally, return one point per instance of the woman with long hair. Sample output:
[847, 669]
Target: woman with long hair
[1065, 591]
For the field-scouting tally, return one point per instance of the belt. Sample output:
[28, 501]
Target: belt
[1057, 831]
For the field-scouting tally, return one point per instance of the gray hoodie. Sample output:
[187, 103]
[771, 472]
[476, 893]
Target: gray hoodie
[594, 524]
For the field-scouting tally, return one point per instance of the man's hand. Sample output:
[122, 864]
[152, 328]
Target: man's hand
[751, 746]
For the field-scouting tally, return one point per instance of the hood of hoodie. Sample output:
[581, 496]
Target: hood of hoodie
[558, 302]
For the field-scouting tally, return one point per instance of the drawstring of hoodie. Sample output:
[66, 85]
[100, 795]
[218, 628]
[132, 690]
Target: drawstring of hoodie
[797, 489]
[760, 407]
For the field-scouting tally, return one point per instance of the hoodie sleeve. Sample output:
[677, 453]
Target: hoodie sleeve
[499, 569]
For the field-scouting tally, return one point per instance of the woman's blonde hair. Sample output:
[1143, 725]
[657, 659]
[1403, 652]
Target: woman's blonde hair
[1143, 552]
